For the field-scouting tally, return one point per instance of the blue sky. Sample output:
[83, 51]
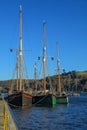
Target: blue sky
[66, 23]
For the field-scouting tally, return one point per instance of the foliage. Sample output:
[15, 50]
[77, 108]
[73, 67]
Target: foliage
[69, 82]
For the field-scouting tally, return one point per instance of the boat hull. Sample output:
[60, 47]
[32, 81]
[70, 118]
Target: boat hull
[44, 100]
[20, 99]
[62, 99]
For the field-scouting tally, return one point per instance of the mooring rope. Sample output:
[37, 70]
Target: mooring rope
[15, 106]
[40, 100]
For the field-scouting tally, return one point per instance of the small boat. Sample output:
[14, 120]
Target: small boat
[75, 93]
[62, 98]
[46, 98]
[3, 95]
[20, 97]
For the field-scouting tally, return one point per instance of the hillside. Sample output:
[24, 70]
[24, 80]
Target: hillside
[71, 81]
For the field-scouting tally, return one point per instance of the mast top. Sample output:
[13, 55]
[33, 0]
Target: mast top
[20, 7]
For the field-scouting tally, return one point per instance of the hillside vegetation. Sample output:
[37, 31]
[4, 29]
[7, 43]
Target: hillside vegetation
[71, 81]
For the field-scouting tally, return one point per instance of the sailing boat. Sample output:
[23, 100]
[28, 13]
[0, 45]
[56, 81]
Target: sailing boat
[75, 93]
[46, 99]
[20, 98]
[62, 98]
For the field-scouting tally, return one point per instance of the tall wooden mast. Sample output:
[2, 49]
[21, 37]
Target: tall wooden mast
[17, 68]
[58, 65]
[20, 48]
[44, 57]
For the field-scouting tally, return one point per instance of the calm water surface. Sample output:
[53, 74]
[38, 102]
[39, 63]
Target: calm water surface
[62, 117]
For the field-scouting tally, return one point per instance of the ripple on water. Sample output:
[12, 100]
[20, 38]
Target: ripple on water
[63, 117]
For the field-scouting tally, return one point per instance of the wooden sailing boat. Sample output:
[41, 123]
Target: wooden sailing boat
[62, 98]
[20, 98]
[46, 99]
[75, 93]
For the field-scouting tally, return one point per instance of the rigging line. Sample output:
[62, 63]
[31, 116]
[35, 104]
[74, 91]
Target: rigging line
[40, 70]
[40, 100]
[25, 73]
[25, 69]
[13, 78]
[51, 87]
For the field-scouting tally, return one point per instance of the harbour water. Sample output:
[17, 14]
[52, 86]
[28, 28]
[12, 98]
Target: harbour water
[72, 116]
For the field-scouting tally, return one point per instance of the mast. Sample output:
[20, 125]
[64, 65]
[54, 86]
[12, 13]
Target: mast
[35, 71]
[20, 48]
[58, 65]
[35, 77]
[44, 57]
[17, 68]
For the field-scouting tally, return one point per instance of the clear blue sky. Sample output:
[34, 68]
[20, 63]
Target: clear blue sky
[66, 22]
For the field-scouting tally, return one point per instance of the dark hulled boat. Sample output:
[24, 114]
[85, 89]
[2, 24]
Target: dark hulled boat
[45, 99]
[20, 98]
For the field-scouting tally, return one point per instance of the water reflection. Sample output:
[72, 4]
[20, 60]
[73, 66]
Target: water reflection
[61, 117]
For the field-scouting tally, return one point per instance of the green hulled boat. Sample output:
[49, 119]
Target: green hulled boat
[61, 98]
